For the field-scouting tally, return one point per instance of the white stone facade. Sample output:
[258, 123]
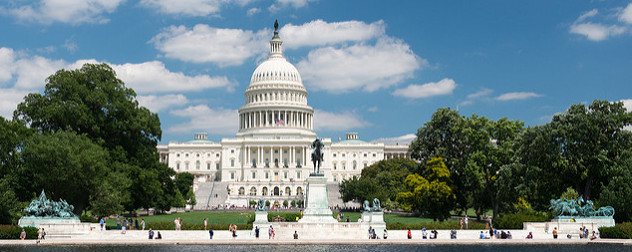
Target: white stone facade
[270, 156]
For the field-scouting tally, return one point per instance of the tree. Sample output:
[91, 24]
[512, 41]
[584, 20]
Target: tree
[91, 101]
[577, 149]
[431, 194]
[382, 180]
[67, 166]
[12, 136]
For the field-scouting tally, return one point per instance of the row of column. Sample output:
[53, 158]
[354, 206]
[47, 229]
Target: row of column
[261, 156]
[276, 118]
[283, 96]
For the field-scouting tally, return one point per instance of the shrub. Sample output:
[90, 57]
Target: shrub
[193, 226]
[446, 225]
[514, 221]
[620, 231]
[288, 216]
[86, 218]
[13, 232]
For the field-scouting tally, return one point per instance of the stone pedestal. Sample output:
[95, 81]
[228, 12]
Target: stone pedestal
[31, 221]
[261, 218]
[316, 204]
[374, 220]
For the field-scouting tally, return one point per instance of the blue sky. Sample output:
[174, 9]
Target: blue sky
[380, 68]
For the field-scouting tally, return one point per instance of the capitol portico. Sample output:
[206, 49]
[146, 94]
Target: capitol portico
[270, 155]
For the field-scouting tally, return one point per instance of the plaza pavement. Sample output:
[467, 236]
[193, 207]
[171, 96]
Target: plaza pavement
[199, 237]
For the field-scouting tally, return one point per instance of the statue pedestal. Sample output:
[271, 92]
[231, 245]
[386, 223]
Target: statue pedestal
[374, 220]
[261, 218]
[316, 204]
[31, 221]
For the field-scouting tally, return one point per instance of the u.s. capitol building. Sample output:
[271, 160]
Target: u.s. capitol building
[270, 156]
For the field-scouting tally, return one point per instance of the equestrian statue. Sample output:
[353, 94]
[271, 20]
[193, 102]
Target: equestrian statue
[317, 154]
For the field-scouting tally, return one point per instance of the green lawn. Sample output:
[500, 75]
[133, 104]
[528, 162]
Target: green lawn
[196, 217]
[243, 217]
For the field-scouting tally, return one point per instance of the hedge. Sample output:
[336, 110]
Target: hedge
[620, 231]
[288, 216]
[192, 226]
[446, 225]
[515, 220]
[13, 232]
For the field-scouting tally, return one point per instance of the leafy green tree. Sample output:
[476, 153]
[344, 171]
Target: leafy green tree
[431, 194]
[12, 136]
[577, 149]
[67, 166]
[570, 194]
[184, 182]
[91, 101]
[382, 180]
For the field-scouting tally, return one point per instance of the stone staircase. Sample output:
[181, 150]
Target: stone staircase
[202, 193]
[219, 189]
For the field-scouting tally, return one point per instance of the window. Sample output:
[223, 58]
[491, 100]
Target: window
[365, 164]
[284, 151]
[208, 155]
[254, 175]
[267, 176]
[374, 155]
[186, 155]
[208, 166]
[334, 154]
[334, 166]
[178, 155]
[232, 150]
[354, 155]
[232, 163]
[232, 175]
[285, 175]
[217, 166]
[217, 155]
[197, 155]
[197, 165]
[343, 155]
[354, 165]
[298, 175]
[276, 151]
[365, 155]
[186, 166]
[178, 166]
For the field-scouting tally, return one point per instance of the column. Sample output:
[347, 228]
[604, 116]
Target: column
[260, 120]
[291, 156]
[281, 156]
[271, 156]
[260, 156]
[285, 117]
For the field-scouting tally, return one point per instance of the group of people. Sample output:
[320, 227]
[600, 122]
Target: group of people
[465, 222]
[126, 224]
[177, 223]
[151, 235]
[233, 229]
[425, 235]
[373, 234]
[498, 235]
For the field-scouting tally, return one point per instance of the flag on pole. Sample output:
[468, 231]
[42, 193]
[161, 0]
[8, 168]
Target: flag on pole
[279, 122]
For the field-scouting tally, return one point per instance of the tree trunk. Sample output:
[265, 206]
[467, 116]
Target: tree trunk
[587, 188]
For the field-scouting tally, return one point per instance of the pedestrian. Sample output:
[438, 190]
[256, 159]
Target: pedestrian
[39, 235]
[136, 224]
[23, 235]
[124, 228]
[482, 236]
[151, 234]
[234, 231]
[142, 223]
[257, 232]
[295, 235]
[555, 233]
[270, 231]
[210, 232]
[466, 221]
[175, 223]
[491, 232]
[529, 236]
[424, 234]
[118, 222]
[461, 223]
[102, 223]
[347, 218]
[370, 234]
[410, 234]
[158, 237]
[205, 223]
[385, 234]
[43, 234]
[453, 234]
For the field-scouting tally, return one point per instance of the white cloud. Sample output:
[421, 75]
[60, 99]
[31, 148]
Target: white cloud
[32, 72]
[597, 32]
[443, 87]
[372, 109]
[359, 66]
[154, 77]
[405, 139]
[9, 99]
[64, 11]
[588, 14]
[627, 103]
[159, 103]
[280, 4]
[517, 96]
[252, 11]
[202, 43]
[346, 120]
[482, 93]
[7, 57]
[203, 118]
[319, 32]
[626, 14]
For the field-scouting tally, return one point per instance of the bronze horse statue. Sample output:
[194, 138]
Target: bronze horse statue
[317, 154]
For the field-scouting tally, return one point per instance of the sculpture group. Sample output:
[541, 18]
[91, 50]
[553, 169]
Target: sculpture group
[43, 207]
[376, 206]
[579, 208]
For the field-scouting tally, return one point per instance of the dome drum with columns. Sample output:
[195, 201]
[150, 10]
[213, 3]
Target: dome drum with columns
[269, 156]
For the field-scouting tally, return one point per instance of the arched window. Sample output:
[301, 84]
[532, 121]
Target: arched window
[264, 191]
[276, 191]
[253, 191]
[299, 191]
[242, 191]
[197, 165]
[288, 191]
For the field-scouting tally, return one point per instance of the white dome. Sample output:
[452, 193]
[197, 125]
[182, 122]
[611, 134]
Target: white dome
[276, 70]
